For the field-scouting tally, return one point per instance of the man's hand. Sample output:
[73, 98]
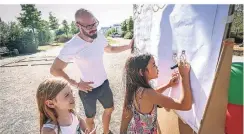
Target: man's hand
[73, 82]
[131, 45]
[85, 86]
[229, 42]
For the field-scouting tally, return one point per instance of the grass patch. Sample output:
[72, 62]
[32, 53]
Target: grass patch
[111, 41]
[46, 47]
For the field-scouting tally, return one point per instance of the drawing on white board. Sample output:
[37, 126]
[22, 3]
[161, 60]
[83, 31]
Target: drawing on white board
[187, 32]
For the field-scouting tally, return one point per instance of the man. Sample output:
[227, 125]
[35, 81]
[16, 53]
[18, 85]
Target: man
[86, 50]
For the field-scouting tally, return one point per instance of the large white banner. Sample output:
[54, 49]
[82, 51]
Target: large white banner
[163, 30]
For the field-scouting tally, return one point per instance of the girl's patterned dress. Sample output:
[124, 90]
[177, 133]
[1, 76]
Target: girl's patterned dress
[143, 123]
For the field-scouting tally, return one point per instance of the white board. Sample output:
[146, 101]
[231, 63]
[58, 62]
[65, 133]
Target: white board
[199, 30]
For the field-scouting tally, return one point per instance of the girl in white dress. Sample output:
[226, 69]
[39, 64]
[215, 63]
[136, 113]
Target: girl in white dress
[56, 103]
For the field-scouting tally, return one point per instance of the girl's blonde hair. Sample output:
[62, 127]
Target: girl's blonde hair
[48, 90]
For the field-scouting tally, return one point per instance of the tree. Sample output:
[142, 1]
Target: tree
[111, 31]
[66, 27]
[123, 26]
[73, 28]
[237, 24]
[4, 33]
[53, 22]
[44, 34]
[130, 24]
[30, 17]
[44, 25]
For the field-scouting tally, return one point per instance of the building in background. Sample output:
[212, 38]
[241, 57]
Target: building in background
[103, 30]
[118, 28]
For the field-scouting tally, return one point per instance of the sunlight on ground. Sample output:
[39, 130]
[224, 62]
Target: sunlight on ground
[46, 47]
[111, 41]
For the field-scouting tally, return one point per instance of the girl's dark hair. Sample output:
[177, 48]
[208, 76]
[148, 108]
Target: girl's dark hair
[132, 78]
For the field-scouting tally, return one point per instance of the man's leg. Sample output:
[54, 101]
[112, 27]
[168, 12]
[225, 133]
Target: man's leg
[106, 99]
[90, 123]
[106, 119]
[89, 103]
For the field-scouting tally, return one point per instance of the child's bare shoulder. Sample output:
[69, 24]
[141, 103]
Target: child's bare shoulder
[147, 91]
[46, 130]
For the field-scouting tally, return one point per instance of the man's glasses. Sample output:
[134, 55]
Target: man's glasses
[89, 27]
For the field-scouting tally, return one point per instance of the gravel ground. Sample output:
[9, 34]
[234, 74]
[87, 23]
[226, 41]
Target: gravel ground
[18, 109]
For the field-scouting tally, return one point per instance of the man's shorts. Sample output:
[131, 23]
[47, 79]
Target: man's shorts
[102, 93]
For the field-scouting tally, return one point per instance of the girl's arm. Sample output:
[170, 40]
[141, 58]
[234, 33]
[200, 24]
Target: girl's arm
[162, 88]
[126, 117]
[174, 81]
[185, 102]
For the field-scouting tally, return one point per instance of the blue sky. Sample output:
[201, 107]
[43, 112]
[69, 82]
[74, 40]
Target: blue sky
[107, 14]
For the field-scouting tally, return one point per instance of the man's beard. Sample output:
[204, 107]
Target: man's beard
[94, 36]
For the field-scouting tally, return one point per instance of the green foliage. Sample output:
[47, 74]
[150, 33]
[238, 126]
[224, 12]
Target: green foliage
[73, 28]
[53, 22]
[123, 26]
[60, 31]
[28, 43]
[4, 33]
[63, 38]
[44, 34]
[128, 35]
[123, 34]
[15, 37]
[129, 25]
[237, 24]
[111, 31]
[66, 27]
[127, 28]
[45, 37]
[30, 16]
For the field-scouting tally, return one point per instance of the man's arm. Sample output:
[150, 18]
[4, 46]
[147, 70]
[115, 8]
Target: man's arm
[117, 49]
[57, 70]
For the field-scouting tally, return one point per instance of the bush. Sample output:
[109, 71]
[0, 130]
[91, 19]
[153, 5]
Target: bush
[237, 36]
[63, 38]
[28, 43]
[128, 35]
[4, 33]
[123, 34]
[24, 42]
[45, 37]
[59, 32]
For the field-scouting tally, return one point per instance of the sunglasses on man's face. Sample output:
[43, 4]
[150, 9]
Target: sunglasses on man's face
[89, 27]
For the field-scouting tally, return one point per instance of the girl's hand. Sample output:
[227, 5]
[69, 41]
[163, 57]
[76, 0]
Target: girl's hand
[174, 80]
[184, 69]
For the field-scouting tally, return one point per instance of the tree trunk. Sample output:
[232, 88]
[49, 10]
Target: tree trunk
[33, 31]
